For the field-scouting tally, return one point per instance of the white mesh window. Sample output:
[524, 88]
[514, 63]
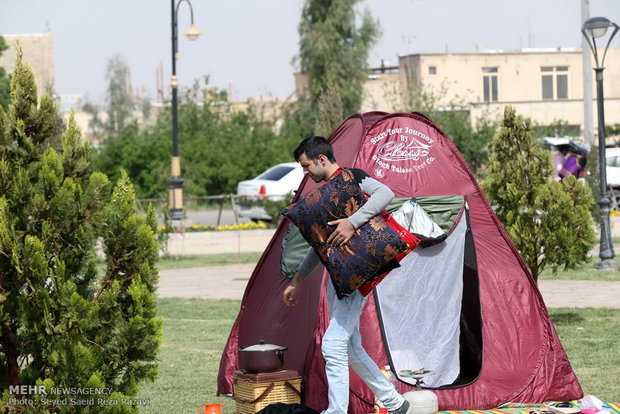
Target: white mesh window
[420, 308]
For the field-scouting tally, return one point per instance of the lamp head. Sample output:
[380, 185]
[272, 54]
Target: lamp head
[597, 26]
[192, 33]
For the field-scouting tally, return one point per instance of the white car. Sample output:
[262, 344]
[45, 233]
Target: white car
[273, 184]
[612, 158]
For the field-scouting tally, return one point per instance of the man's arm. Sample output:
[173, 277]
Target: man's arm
[379, 197]
[307, 266]
[379, 194]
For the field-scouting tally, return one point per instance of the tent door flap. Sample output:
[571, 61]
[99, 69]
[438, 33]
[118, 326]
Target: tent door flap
[429, 307]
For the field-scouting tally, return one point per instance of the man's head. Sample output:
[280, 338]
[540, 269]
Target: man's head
[316, 157]
[313, 147]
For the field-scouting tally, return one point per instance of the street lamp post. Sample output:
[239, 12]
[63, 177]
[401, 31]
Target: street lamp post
[592, 29]
[176, 181]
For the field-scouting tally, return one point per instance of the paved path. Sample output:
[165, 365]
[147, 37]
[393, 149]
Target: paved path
[213, 282]
[212, 242]
[580, 293]
[222, 282]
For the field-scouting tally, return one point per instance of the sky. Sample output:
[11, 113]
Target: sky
[248, 46]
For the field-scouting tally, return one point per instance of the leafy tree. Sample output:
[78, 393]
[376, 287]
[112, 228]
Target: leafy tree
[60, 125]
[63, 322]
[222, 145]
[472, 141]
[330, 112]
[612, 130]
[333, 51]
[548, 221]
[5, 86]
[218, 145]
[558, 128]
[118, 99]
[143, 155]
[95, 125]
[145, 107]
[299, 121]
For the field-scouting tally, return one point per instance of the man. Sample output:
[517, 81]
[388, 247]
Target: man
[342, 342]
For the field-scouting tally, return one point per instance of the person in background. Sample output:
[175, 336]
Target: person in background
[574, 165]
[558, 161]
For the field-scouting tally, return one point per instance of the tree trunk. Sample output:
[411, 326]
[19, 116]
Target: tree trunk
[11, 354]
[535, 270]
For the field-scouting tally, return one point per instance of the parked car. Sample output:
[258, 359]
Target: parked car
[273, 184]
[612, 158]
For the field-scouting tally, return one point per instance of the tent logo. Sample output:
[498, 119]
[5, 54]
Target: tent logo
[409, 145]
[403, 151]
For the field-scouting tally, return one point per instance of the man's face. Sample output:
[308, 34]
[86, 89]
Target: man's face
[315, 169]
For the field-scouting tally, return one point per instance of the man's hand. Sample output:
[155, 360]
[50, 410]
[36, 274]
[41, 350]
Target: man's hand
[291, 291]
[343, 233]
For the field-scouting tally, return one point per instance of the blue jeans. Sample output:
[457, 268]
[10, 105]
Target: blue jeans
[342, 346]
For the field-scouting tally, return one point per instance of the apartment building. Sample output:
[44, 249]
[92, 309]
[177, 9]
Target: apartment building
[543, 84]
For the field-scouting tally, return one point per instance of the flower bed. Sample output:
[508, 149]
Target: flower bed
[207, 227]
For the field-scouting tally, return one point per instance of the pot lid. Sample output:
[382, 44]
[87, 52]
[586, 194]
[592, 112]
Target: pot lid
[262, 346]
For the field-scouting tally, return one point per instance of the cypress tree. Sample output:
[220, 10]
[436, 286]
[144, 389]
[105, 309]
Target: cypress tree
[548, 221]
[64, 320]
[5, 86]
[330, 112]
[333, 51]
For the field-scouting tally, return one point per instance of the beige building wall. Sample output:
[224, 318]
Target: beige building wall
[38, 52]
[458, 77]
[268, 109]
[381, 93]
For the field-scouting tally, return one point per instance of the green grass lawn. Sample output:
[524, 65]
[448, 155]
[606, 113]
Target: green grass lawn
[590, 338]
[196, 330]
[202, 260]
[181, 262]
[587, 271]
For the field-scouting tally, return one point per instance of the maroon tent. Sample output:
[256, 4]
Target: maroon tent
[502, 345]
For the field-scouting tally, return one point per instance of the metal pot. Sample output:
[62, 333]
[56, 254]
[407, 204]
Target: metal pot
[262, 357]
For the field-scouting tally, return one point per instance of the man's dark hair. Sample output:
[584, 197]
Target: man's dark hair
[313, 147]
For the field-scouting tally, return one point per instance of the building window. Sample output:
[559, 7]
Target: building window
[432, 70]
[554, 82]
[489, 84]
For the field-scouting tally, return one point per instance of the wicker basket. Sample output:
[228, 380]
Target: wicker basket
[253, 392]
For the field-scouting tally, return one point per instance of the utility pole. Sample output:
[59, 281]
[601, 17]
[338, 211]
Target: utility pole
[588, 119]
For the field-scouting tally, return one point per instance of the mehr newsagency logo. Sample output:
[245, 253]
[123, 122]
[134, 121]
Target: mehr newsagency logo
[51, 397]
[401, 151]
